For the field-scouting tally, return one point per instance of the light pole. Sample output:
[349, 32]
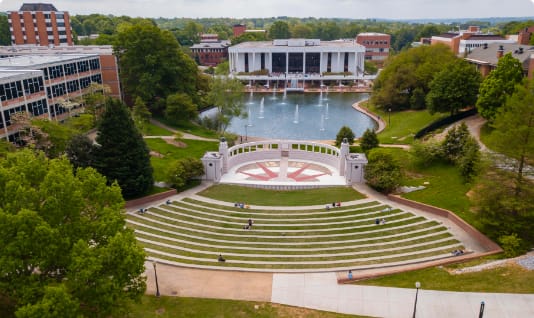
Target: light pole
[417, 286]
[156, 276]
[481, 314]
[389, 116]
[246, 132]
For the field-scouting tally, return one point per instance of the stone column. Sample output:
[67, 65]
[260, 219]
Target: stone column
[223, 150]
[343, 152]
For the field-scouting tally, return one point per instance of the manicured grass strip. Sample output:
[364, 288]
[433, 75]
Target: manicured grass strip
[279, 219]
[317, 224]
[440, 239]
[239, 231]
[171, 307]
[438, 230]
[153, 130]
[232, 193]
[251, 236]
[298, 260]
[445, 253]
[507, 279]
[226, 208]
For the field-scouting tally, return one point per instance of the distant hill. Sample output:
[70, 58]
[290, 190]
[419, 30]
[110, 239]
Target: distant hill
[491, 21]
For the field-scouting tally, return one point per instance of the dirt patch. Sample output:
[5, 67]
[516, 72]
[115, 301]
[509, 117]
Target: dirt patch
[178, 144]
[156, 154]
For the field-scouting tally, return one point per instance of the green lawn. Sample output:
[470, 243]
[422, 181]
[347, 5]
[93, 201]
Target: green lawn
[163, 307]
[508, 279]
[153, 130]
[401, 126]
[247, 195]
[193, 148]
[189, 127]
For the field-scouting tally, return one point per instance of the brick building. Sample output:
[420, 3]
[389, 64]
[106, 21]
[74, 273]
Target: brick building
[486, 58]
[210, 51]
[377, 45]
[525, 35]
[466, 40]
[40, 24]
[108, 62]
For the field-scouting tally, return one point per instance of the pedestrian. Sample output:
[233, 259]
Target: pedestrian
[250, 222]
[350, 274]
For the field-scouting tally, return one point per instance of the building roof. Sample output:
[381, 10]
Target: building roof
[482, 37]
[6, 75]
[212, 45]
[488, 55]
[37, 7]
[37, 61]
[372, 34]
[298, 43]
[448, 35]
[46, 50]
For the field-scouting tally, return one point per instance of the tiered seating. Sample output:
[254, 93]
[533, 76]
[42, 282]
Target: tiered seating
[194, 233]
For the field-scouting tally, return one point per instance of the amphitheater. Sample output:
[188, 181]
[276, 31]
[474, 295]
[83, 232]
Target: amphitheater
[370, 232]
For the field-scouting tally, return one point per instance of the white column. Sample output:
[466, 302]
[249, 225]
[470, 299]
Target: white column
[287, 63]
[253, 63]
[338, 61]
[304, 63]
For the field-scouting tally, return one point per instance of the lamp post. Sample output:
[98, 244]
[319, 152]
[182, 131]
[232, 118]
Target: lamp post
[417, 286]
[246, 132]
[481, 314]
[389, 116]
[156, 276]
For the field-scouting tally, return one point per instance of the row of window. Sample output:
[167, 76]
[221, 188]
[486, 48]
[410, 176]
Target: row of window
[367, 42]
[71, 68]
[9, 112]
[36, 108]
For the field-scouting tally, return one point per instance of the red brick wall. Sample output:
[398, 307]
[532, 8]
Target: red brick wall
[149, 199]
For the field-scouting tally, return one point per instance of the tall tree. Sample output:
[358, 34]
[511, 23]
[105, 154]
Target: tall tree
[453, 88]
[345, 132]
[65, 249]
[5, 34]
[140, 114]
[226, 95]
[152, 64]
[279, 30]
[180, 107]
[499, 84]
[514, 130]
[369, 140]
[122, 154]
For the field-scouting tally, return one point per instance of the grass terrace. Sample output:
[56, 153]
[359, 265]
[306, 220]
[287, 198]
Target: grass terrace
[192, 232]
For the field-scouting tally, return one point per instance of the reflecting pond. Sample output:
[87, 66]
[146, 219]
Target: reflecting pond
[300, 116]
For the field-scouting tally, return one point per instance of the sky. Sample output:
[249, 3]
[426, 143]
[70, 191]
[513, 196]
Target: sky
[356, 9]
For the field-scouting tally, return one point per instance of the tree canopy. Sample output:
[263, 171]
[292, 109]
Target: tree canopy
[122, 154]
[152, 64]
[408, 75]
[499, 84]
[65, 247]
[453, 88]
[226, 95]
[279, 30]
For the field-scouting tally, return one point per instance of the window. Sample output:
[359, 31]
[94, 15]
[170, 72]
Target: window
[83, 66]
[73, 86]
[11, 90]
[97, 78]
[94, 64]
[55, 71]
[70, 69]
[33, 85]
[38, 108]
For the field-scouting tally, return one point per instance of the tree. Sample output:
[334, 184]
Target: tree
[94, 97]
[499, 85]
[345, 132]
[302, 31]
[369, 140]
[279, 30]
[408, 74]
[152, 64]
[122, 154]
[226, 95]
[140, 114]
[382, 172]
[453, 88]
[180, 107]
[183, 171]
[222, 68]
[514, 131]
[5, 34]
[57, 225]
[80, 151]
[455, 141]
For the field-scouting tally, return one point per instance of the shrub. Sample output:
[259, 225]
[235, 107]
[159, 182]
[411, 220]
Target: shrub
[512, 245]
[382, 172]
[369, 140]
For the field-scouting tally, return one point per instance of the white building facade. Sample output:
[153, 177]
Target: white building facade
[300, 58]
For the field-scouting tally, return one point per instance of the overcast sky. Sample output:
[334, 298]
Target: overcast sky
[357, 9]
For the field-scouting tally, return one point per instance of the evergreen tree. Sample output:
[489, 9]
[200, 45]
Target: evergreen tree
[369, 140]
[345, 132]
[122, 154]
